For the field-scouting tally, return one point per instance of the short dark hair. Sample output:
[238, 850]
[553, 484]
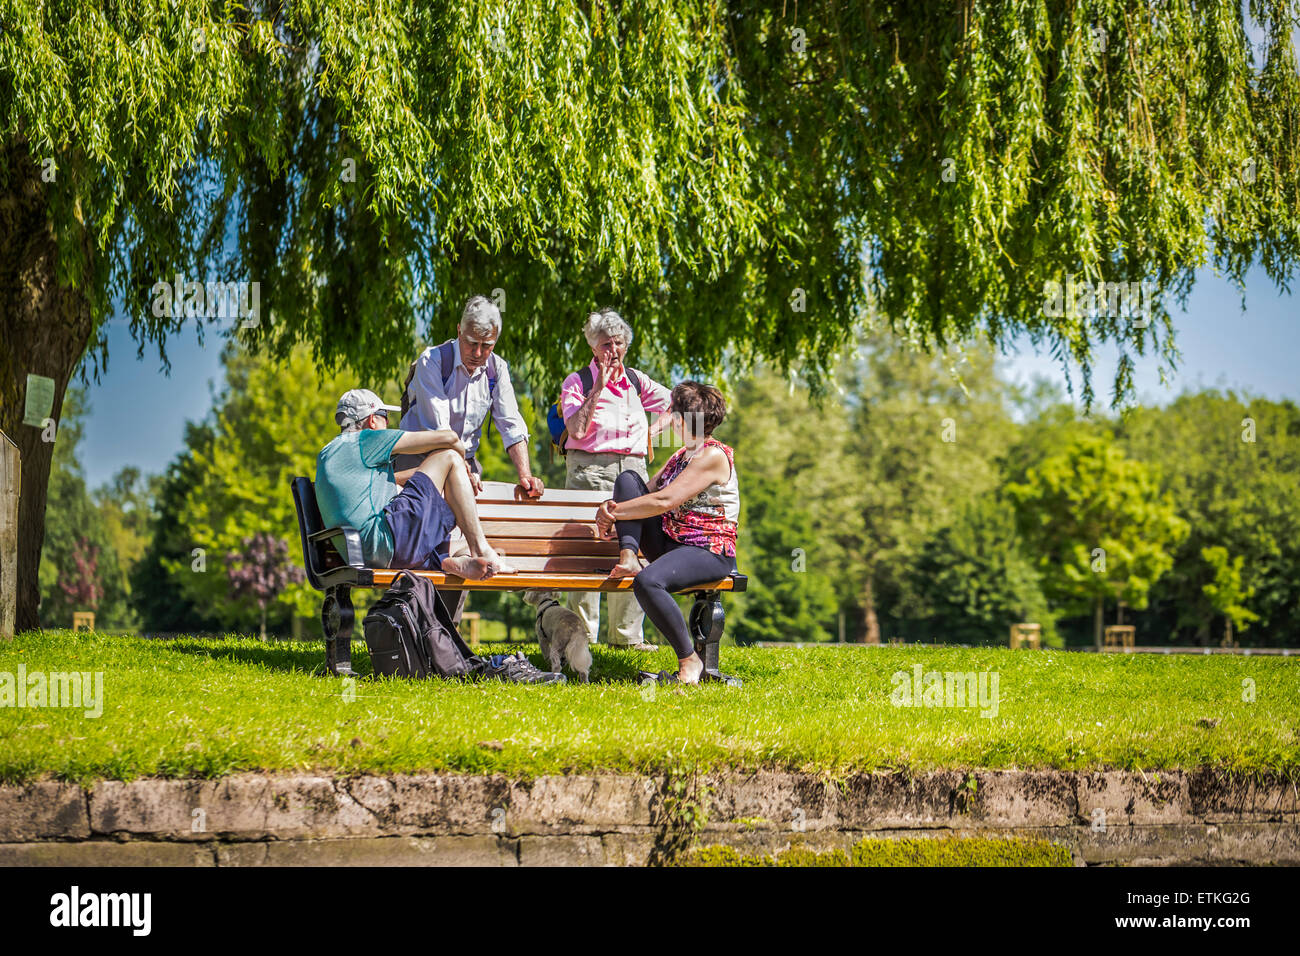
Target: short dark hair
[699, 405]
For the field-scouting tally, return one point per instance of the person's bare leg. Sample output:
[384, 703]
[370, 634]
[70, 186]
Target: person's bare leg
[446, 469]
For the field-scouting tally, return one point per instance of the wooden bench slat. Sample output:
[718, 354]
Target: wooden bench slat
[383, 577]
[530, 528]
[573, 546]
[562, 563]
[501, 492]
[557, 512]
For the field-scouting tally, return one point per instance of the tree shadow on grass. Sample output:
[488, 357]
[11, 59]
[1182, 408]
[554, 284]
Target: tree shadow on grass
[308, 657]
[303, 657]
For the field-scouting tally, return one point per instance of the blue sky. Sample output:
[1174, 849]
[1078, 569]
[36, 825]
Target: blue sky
[1256, 350]
[138, 413]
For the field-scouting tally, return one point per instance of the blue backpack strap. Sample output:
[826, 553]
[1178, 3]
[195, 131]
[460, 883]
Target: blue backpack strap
[447, 356]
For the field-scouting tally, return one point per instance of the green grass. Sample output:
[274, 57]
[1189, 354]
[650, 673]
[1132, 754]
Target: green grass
[192, 708]
[949, 851]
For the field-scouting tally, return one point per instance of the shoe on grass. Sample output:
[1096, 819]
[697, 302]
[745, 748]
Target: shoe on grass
[642, 646]
[517, 669]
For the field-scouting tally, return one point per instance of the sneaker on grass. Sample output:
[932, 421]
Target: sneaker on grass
[516, 669]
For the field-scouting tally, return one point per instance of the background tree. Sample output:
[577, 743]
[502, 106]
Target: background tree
[371, 166]
[790, 595]
[1097, 524]
[260, 570]
[80, 568]
[268, 423]
[1225, 592]
[80, 584]
[158, 594]
[971, 580]
[1232, 463]
[786, 451]
[924, 436]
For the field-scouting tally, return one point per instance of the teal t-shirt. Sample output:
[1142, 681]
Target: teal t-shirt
[354, 481]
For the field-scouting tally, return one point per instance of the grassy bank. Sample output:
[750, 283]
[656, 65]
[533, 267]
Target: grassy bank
[190, 708]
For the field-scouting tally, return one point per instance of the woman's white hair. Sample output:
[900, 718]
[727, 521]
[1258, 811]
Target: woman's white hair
[481, 316]
[606, 322]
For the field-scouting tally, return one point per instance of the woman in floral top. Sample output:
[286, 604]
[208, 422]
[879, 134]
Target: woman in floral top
[684, 521]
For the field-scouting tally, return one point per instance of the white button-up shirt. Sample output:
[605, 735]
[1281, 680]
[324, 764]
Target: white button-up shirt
[464, 405]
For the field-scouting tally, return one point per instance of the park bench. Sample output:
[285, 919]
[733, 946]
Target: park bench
[550, 540]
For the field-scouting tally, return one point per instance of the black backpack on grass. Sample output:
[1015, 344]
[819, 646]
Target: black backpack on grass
[410, 634]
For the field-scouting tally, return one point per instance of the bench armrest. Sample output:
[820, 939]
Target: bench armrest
[351, 550]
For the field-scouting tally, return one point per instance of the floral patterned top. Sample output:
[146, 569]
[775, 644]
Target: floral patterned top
[709, 519]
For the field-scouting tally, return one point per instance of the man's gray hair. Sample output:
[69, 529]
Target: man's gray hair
[481, 316]
[606, 322]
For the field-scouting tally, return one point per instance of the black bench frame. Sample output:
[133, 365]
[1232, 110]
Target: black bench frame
[334, 566]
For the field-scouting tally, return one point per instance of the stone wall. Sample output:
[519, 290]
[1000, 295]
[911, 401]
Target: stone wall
[252, 819]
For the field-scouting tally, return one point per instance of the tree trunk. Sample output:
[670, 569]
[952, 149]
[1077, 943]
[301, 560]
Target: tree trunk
[872, 634]
[263, 632]
[1098, 622]
[44, 330]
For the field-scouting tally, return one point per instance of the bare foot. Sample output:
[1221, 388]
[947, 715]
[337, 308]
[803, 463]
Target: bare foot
[472, 569]
[497, 560]
[628, 565]
[689, 669]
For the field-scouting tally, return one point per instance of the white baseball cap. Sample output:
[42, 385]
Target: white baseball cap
[358, 405]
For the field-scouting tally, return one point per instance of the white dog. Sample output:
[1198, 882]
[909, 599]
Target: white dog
[561, 633]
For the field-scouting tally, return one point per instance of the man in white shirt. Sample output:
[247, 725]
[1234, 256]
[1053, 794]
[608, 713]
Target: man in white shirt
[455, 385]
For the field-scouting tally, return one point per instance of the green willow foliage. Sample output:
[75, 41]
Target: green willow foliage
[696, 162]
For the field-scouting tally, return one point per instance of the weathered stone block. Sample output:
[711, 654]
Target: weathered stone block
[1129, 799]
[433, 803]
[893, 800]
[1021, 799]
[246, 806]
[376, 851]
[579, 804]
[561, 851]
[105, 853]
[43, 810]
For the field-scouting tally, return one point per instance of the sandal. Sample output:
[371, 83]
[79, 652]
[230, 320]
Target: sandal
[662, 677]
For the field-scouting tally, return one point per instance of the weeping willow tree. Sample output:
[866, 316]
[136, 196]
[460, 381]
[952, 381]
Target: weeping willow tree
[747, 180]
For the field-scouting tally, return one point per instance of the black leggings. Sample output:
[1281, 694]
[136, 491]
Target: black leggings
[673, 566]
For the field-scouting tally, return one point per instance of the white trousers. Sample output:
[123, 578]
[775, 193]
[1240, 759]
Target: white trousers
[597, 473]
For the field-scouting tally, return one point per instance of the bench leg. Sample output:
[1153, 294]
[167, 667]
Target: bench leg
[336, 620]
[706, 624]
